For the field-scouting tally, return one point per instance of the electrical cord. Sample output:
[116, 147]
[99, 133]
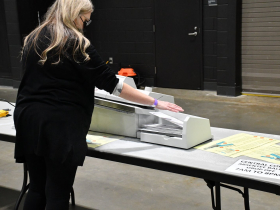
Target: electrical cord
[2, 99]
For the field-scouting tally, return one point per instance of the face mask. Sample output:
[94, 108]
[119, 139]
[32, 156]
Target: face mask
[85, 22]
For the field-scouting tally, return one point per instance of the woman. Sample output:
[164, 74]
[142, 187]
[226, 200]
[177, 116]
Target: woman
[56, 99]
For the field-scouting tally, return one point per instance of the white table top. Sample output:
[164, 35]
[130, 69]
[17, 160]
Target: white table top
[193, 158]
[7, 123]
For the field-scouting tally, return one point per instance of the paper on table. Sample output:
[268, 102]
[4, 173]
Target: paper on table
[168, 118]
[94, 141]
[269, 153]
[256, 142]
[237, 145]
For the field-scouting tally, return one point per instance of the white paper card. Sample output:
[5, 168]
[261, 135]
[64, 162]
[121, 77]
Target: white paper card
[168, 118]
[256, 168]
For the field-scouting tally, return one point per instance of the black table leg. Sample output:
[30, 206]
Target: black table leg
[216, 200]
[246, 198]
[218, 196]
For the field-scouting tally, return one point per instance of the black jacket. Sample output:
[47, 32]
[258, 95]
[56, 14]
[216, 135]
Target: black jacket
[55, 103]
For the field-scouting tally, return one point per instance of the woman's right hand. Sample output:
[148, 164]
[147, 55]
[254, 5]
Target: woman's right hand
[164, 105]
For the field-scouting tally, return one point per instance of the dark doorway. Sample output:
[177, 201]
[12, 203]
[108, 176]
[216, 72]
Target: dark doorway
[178, 44]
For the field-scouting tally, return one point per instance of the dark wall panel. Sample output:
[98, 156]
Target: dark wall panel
[13, 33]
[123, 30]
[210, 46]
[28, 13]
[229, 42]
[5, 68]
[222, 47]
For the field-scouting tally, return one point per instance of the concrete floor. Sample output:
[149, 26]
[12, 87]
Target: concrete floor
[106, 185]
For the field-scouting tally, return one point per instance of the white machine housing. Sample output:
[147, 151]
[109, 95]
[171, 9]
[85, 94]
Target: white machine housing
[195, 131]
[118, 116]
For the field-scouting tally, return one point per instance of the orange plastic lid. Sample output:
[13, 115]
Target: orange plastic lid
[128, 72]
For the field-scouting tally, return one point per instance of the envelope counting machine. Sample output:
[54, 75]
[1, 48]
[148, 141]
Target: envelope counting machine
[118, 116]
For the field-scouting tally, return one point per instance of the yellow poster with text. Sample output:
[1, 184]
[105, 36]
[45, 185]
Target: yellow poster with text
[237, 145]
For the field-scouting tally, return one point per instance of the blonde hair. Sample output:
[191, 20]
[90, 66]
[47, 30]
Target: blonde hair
[60, 21]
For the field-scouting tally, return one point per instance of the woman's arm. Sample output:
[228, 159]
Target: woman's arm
[131, 94]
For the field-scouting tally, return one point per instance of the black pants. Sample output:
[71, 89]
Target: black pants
[50, 184]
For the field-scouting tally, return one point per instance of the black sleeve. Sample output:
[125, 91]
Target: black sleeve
[98, 72]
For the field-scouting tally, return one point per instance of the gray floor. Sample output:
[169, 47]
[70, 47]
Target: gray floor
[106, 185]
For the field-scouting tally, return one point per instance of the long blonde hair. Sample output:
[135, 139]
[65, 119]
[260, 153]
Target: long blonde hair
[60, 21]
